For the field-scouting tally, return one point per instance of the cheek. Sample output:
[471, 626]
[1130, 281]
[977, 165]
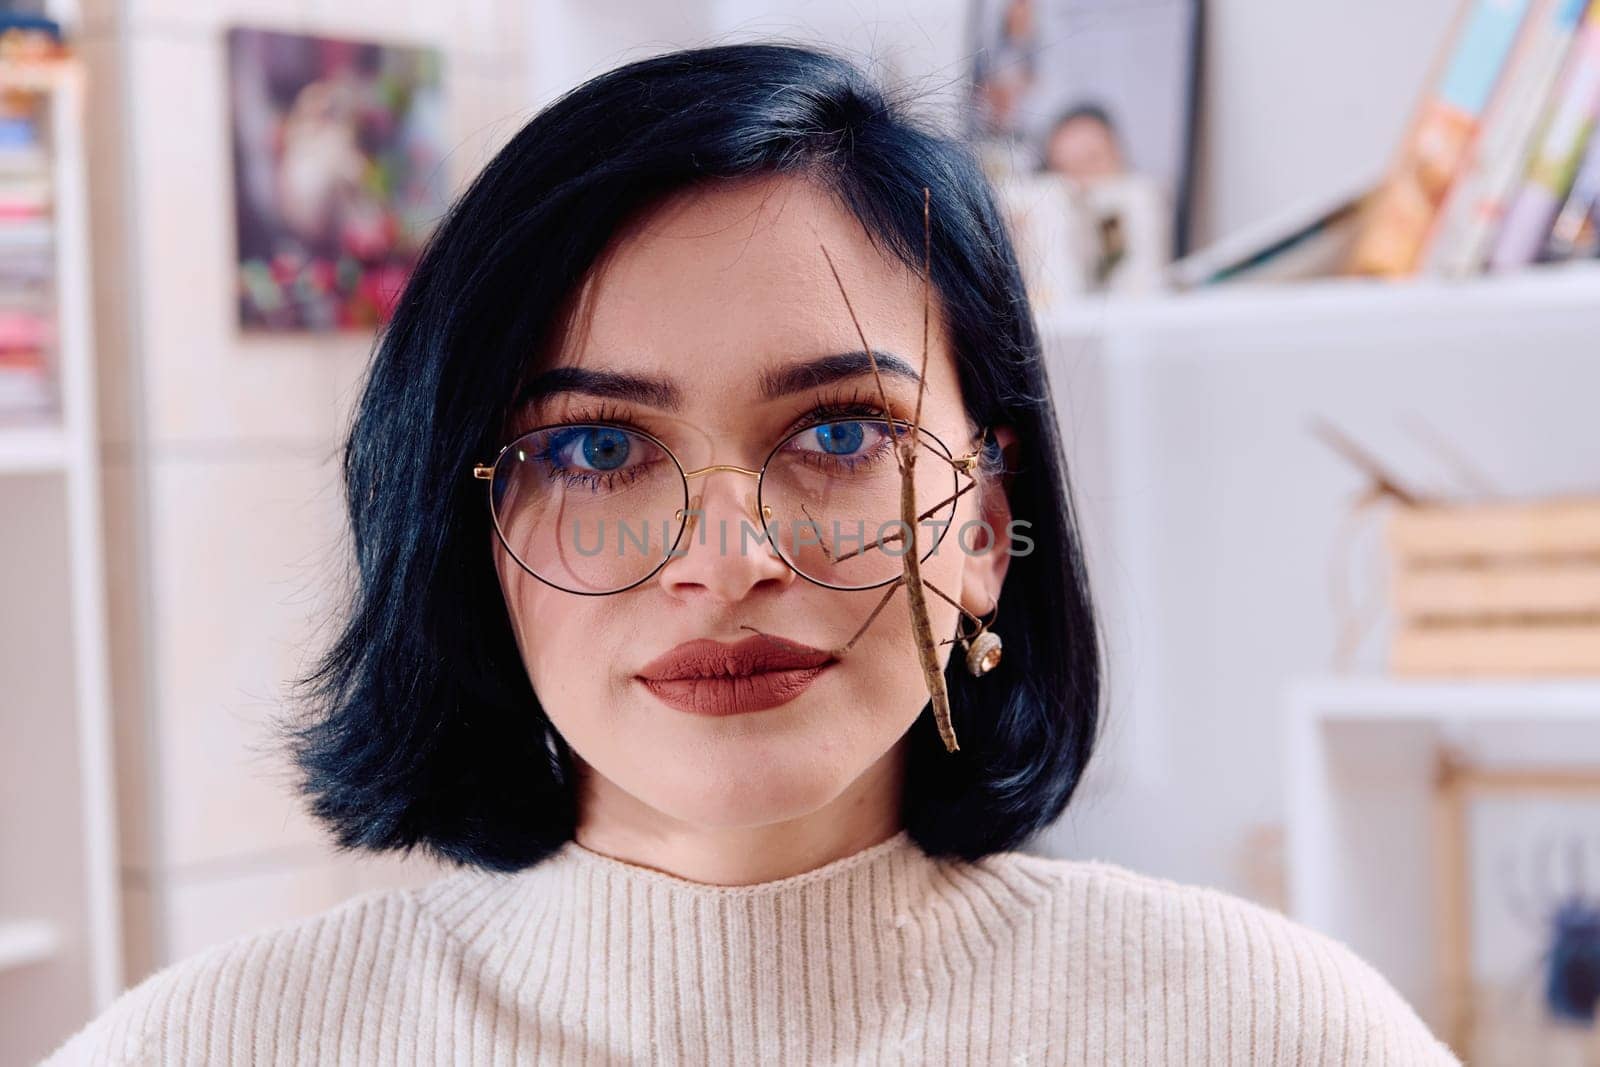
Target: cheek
[560, 636]
[885, 664]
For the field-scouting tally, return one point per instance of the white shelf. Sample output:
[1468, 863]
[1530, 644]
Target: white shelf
[1571, 287]
[1379, 698]
[59, 899]
[25, 941]
[1362, 757]
[26, 449]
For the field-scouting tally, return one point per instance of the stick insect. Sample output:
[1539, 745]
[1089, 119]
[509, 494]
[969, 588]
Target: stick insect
[905, 451]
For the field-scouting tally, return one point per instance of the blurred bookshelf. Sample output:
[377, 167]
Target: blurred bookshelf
[1492, 194]
[60, 926]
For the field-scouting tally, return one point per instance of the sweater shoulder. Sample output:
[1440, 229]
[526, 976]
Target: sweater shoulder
[210, 1006]
[1284, 983]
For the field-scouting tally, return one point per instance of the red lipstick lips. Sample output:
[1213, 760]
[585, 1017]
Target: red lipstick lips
[707, 677]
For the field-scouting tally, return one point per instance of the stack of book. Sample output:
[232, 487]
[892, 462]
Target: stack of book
[1496, 588]
[1501, 165]
[27, 238]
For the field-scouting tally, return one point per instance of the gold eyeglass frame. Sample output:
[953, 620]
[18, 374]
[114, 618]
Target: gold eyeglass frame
[964, 464]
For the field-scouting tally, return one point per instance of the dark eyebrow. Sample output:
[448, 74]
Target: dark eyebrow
[654, 392]
[664, 393]
[813, 373]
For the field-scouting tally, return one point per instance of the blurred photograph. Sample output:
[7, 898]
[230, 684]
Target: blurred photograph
[1087, 109]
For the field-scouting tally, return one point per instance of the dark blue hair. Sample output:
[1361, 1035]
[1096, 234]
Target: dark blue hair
[421, 726]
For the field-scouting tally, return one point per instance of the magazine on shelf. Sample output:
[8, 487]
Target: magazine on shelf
[1470, 218]
[1576, 232]
[1564, 132]
[1309, 240]
[1435, 148]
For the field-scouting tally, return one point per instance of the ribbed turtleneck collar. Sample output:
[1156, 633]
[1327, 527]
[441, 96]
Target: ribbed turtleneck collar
[577, 884]
[815, 941]
[879, 854]
[849, 946]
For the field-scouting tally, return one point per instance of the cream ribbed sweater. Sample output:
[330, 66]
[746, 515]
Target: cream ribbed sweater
[883, 956]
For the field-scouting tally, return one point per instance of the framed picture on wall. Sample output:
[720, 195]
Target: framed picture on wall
[338, 150]
[1102, 95]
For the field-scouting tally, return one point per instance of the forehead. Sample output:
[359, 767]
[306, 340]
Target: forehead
[726, 278]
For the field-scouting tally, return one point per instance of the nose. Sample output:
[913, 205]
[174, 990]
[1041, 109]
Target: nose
[724, 551]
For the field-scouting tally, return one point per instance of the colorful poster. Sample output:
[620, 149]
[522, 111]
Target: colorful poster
[338, 151]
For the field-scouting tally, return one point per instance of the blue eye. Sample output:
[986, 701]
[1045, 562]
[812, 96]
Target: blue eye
[605, 448]
[840, 438]
[597, 456]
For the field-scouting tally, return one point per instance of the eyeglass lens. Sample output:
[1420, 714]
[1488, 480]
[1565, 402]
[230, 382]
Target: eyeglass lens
[596, 508]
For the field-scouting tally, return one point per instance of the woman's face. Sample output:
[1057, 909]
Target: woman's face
[711, 299]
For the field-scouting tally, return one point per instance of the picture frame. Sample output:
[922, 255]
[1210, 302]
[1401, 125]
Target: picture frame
[1068, 85]
[1471, 883]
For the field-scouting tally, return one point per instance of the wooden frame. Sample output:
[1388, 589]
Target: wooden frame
[1457, 783]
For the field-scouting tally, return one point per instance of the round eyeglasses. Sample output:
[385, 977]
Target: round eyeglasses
[598, 508]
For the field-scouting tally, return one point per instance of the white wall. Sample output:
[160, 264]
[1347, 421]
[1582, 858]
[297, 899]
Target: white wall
[922, 42]
[1304, 99]
[1299, 99]
[570, 41]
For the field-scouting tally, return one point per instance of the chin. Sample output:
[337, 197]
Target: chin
[752, 789]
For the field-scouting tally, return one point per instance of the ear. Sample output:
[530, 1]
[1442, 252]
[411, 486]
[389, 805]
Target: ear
[986, 547]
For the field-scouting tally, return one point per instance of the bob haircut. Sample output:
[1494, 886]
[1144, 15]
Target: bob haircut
[423, 728]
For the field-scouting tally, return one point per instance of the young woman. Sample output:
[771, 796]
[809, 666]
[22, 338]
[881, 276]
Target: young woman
[624, 493]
